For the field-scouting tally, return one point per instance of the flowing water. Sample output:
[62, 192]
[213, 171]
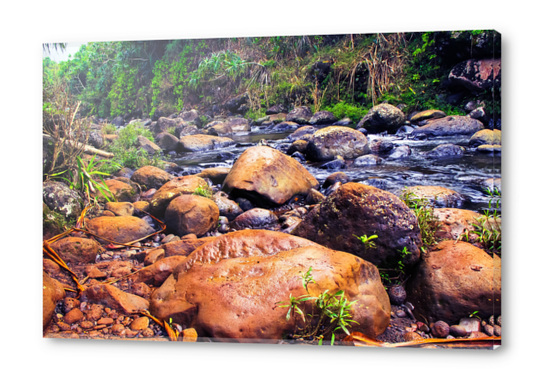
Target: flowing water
[469, 175]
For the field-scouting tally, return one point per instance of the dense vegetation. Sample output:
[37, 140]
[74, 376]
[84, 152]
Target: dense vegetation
[345, 74]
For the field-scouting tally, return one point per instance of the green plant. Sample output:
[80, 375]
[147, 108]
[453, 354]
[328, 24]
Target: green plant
[204, 191]
[330, 312]
[109, 129]
[424, 211]
[367, 241]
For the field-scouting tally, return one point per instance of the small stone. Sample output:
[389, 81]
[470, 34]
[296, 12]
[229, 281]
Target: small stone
[86, 324]
[497, 330]
[491, 320]
[489, 330]
[130, 333]
[400, 313]
[440, 329]
[478, 335]
[190, 236]
[412, 336]
[422, 327]
[73, 316]
[70, 303]
[190, 335]
[397, 294]
[63, 326]
[105, 321]
[140, 323]
[471, 324]
[458, 331]
[499, 321]
[149, 333]
[99, 327]
[118, 329]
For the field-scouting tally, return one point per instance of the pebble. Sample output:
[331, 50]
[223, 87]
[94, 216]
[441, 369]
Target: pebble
[63, 326]
[397, 294]
[489, 329]
[497, 330]
[140, 323]
[73, 316]
[440, 329]
[412, 336]
[400, 313]
[86, 324]
[105, 321]
[118, 329]
[70, 303]
[458, 331]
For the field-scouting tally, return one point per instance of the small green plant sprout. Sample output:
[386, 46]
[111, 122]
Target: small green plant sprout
[473, 314]
[82, 179]
[367, 241]
[204, 190]
[427, 221]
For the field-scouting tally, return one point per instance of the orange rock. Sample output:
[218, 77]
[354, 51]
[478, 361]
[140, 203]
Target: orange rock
[53, 291]
[188, 214]
[190, 335]
[182, 185]
[120, 229]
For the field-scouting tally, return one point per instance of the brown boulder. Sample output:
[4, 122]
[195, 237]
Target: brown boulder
[228, 208]
[268, 177]
[437, 196]
[184, 247]
[122, 191]
[120, 229]
[477, 75]
[112, 297]
[328, 143]
[228, 290]
[454, 222]
[202, 142]
[255, 218]
[53, 292]
[382, 117]
[149, 146]
[486, 137]
[215, 174]
[238, 124]
[449, 126]
[188, 214]
[151, 177]
[120, 209]
[167, 142]
[182, 185]
[159, 271]
[299, 115]
[355, 210]
[454, 280]
[430, 114]
[76, 249]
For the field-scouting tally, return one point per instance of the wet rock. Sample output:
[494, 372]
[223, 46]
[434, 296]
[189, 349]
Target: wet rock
[356, 209]
[300, 115]
[140, 323]
[188, 214]
[437, 196]
[256, 218]
[53, 292]
[343, 122]
[454, 222]
[440, 329]
[489, 149]
[238, 124]
[455, 279]
[397, 294]
[446, 150]
[297, 146]
[277, 118]
[380, 146]
[302, 133]
[227, 208]
[267, 265]
[322, 118]
[335, 164]
[120, 229]
[215, 174]
[151, 177]
[458, 331]
[327, 143]
[477, 74]
[73, 316]
[399, 152]
[61, 199]
[267, 177]
[153, 256]
[200, 142]
[485, 137]
[76, 249]
[182, 185]
[244, 204]
[140, 207]
[334, 178]
[167, 141]
[149, 146]
[112, 297]
[279, 108]
[122, 191]
[382, 117]
[314, 197]
[120, 209]
[368, 160]
[430, 114]
[450, 126]
[159, 271]
[285, 125]
[220, 130]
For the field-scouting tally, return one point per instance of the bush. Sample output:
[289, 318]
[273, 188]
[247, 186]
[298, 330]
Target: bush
[342, 110]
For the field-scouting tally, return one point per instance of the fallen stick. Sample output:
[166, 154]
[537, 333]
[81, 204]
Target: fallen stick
[90, 149]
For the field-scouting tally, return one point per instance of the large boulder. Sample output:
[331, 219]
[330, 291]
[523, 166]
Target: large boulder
[146, 144]
[300, 115]
[61, 199]
[191, 214]
[328, 143]
[215, 174]
[450, 126]
[120, 229]
[381, 118]
[477, 74]
[53, 292]
[268, 177]
[355, 210]
[436, 196]
[151, 177]
[453, 222]
[202, 142]
[323, 118]
[454, 280]
[167, 142]
[255, 218]
[430, 114]
[182, 185]
[229, 288]
[238, 124]
[485, 137]
[121, 190]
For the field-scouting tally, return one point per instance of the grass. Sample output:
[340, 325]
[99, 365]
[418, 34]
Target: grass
[424, 212]
[204, 191]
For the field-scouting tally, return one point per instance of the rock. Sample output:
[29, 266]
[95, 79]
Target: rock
[430, 114]
[215, 174]
[122, 191]
[61, 199]
[227, 208]
[112, 297]
[189, 335]
[486, 137]
[368, 160]
[167, 142]
[300, 115]
[53, 292]
[458, 331]
[120, 229]
[220, 130]
[238, 124]
[159, 271]
[335, 164]
[277, 118]
[322, 118]
[76, 250]
[182, 185]
[334, 178]
[48, 153]
[477, 75]
[189, 116]
[380, 146]
[343, 122]
[162, 125]
[125, 172]
[201, 142]
[256, 218]
[267, 177]
[446, 150]
[450, 126]
[188, 214]
[224, 276]
[397, 294]
[302, 133]
[327, 143]
[356, 209]
[118, 121]
[53, 223]
[440, 329]
[140, 323]
[400, 152]
[151, 177]
[297, 146]
[454, 222]
[489, 149]
[381, 118]
[455, 279]
[285, 125]
[437, 196]
[73, 316]
[470, 324]
[412, 336]
[234, 104]
[120, 209]
[149, 146]
[279, 108]
[153, 256]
